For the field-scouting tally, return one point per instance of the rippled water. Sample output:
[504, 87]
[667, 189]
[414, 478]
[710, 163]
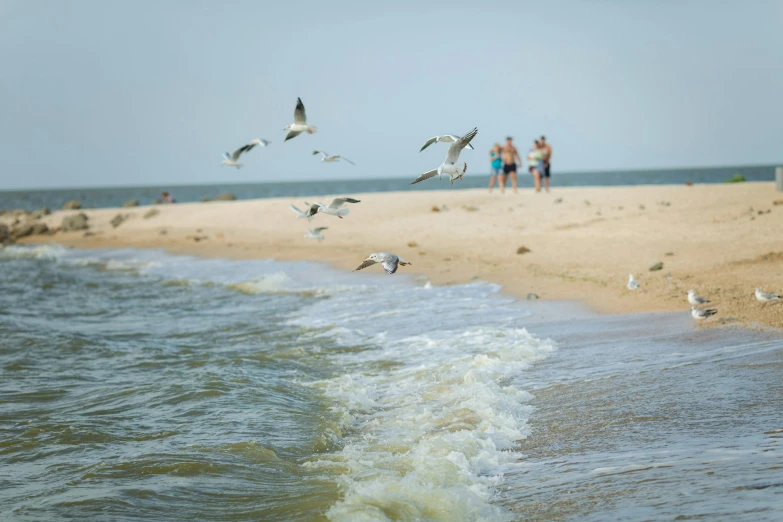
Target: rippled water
[137, 384]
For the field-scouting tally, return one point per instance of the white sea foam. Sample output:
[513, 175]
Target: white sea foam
[49, 252]
[430, 420]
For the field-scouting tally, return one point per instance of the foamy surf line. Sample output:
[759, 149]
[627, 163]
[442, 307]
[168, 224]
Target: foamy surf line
[427, 402]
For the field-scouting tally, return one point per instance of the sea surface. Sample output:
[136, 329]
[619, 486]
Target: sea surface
[139, 385]
[117, 196]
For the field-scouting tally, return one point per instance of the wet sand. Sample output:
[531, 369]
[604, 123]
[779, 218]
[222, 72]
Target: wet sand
[582, 242]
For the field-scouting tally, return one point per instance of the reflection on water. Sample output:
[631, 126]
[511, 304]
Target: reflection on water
[141, 385]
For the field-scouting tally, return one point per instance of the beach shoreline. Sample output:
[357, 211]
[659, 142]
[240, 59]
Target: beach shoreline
[582, 242]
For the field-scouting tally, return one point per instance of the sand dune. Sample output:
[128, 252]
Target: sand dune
[583, 242]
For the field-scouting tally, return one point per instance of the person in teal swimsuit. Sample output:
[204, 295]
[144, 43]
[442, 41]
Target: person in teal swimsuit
[495, 166]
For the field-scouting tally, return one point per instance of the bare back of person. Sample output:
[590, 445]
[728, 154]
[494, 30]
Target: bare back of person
[510, 156]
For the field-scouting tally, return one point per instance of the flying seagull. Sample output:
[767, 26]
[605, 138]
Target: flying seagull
[702, 314]
[446, 138]
[451, 166]
[390, 262]
[232, 160]
[765, 298]
[326, 158]
[315, 233]
[301, 214]
[695, 300]
[633, 284]
[300, 122]
[335, 208]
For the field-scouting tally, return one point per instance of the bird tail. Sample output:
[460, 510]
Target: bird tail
[312, 128]
[343, 212]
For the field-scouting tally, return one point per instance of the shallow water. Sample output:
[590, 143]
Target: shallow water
[137, 384]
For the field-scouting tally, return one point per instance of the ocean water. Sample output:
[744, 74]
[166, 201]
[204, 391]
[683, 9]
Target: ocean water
[142, 385]
[117, 196]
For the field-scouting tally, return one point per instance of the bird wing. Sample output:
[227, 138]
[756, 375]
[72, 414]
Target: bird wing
[313, 210]
[322, 153]
[296, 210]
[426, 175]
[292, 134]
[390, 264]
[299, 112]
[346, 159]
[320, 229]
[365, 264]
[227, 155]
[240, 150]
[457, 146]
[264, 143]
[429, 142]
[339, 202]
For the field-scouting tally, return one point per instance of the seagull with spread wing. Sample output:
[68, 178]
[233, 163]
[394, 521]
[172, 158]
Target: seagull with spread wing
[300, 122]
[232, 160]
[446, 138]
[390, 262]
[331, 158]
[315, 233]
[452, 166]
[335, 208]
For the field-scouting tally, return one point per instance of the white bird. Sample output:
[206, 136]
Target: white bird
[315, 233]
[452, 166]
[765, 298]
[390, 262]
[300, 122]
[632, 283]
[694, 299]
[232, 160]
[446, 138]
[702, 314]
[335, 208]
[300, 214]
[327, 158]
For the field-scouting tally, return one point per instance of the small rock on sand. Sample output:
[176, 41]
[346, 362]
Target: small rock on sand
[469, 208]
[558, 200]
[151, 213]
[74, 222]
[658, 265]
[131, 203]
[669, 254]
[23, 231]
[40, 228]
[523, 250]
[163, 232]
[117, 220]
[435, 208]
[532, 297]
[72, 205]
[412, 244]
[778, 202]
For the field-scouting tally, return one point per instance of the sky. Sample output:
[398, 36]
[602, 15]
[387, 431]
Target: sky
[123, 93]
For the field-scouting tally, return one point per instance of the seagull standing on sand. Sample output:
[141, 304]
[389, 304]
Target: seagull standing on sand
[301, 214]
[390, 262]
[452, 166]
[326, 158]
[632, 283]
[446, 138]
[300, 122]
[232, 160]
[335, 208]
[702, 314]
[315, 233]
[695, 300]
[765, 298]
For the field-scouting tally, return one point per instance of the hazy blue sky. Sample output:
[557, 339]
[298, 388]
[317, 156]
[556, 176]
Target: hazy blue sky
[147, 92]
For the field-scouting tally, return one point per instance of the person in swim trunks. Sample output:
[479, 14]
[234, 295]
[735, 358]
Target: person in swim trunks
[495, 164]
[546, 153]
[510, 158]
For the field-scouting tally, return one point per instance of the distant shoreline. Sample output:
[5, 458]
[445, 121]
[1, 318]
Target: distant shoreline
[583, 242]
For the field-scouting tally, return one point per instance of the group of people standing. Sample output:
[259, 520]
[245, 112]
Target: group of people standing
[503, 164]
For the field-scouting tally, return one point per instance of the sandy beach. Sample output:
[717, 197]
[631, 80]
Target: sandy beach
[721, 240]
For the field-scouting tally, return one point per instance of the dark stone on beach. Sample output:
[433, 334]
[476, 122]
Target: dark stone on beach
[658, 265]
[669, 254]
[228, 196]
[151, 213]
[38, 214]
[74, 222]
[558, 200]
[131, 203]
[72, 205]
[23, 231]
[40, 228]
[523, 250]
[117, 220]
[532, 297]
